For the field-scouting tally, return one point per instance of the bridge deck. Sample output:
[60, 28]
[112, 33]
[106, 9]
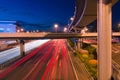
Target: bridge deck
[48, 35]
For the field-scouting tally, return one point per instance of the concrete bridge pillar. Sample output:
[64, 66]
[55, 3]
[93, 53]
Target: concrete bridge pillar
[80, 43]
[22, 48]
[75, 30]
[75, 46]
[104, 23]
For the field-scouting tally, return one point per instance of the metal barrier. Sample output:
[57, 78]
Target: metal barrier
[7, 63]
[115, 71]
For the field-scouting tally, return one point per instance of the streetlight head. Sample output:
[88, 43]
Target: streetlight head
[22, 29]
[71, 18]
[85, 28]
[56, 25]
[18, 30]
[83, 31]
[27, 32]
[65, 29]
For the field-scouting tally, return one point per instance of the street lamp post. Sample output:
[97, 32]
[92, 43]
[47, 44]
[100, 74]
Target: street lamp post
[56, 27]
[70, 21]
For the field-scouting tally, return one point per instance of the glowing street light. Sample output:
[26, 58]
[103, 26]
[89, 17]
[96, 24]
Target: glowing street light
[56, 27]
[85, 28]
[37, 30]
[71, 18]
[70, 21]
[22, 30]
[83, 31]
[27, 32]
[18, 30]
[65, 29]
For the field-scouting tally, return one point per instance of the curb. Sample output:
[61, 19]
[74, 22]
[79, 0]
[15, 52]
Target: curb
[72, 65]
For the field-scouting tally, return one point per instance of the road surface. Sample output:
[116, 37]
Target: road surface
[48, 62]
[11, 53]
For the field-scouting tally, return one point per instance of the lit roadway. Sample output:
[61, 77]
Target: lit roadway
[14, 52]
[48, 62]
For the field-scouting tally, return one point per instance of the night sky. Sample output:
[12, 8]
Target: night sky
[43, 14]
[38, 14]
[116, 14]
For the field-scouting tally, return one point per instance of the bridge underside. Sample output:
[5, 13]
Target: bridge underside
[85, 13]
[49, 35]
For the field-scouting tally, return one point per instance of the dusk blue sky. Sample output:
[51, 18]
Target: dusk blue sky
[41, 14]
[116, 14]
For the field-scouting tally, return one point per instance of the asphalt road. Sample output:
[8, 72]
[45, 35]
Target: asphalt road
[48, 62]
[11, 53]
[81, 71]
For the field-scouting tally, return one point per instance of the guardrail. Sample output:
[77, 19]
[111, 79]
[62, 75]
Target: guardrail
[7, 63]
[115, 71]
[46, 35]
[88, 74]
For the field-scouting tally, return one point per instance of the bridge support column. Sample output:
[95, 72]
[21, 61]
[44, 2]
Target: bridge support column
[80, 42]
[104, 40]
[75, 45]
[22, 48]
[75, 30]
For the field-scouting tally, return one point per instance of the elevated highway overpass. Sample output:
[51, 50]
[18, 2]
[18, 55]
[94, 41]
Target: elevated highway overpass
[99, 10]
[50, 35]
[85, 13]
